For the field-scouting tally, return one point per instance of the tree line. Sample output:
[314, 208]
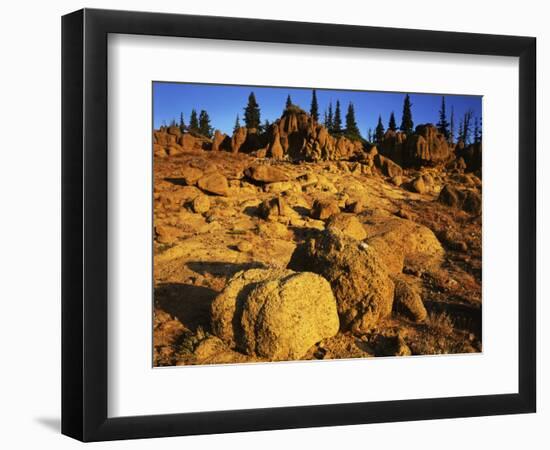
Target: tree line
[468, 131]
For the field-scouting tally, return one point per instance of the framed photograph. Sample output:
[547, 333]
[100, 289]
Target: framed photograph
[273, 225]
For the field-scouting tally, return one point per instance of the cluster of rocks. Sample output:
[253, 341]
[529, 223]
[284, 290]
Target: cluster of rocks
[350, 269]
[348, 277]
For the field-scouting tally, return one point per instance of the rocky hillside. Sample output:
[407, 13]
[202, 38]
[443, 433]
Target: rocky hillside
[295, 244]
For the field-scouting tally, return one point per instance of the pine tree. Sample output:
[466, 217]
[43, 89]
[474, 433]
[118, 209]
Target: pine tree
[461, 130]
[370, 136]
[194, 122]
[182, 123]
[329, 123]
[443, 125]
[265, 127]
[480, 135]
[477, 137]
[204, 124]
[314, 109]
[352, 130]
[452, 133]
[379, 130]
[392, 125]
[406, 120]
[288, 103]
[237, 124]
[252, 112]
[337, 121]
[173, 123]
[466, 127]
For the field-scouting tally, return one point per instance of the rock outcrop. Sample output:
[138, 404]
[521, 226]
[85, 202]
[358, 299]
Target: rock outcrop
[471, 156]
[427, 146]
[297, 136]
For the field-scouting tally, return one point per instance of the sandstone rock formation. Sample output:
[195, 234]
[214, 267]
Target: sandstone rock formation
[427, 146]
[218, 140]
[471, 156]
[238, 139]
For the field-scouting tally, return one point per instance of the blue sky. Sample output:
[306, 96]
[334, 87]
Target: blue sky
[224, 102]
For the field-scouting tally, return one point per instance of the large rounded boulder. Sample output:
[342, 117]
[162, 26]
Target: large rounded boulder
[282, 318]
[275, 314]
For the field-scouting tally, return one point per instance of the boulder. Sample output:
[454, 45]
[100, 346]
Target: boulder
[347, 224]
[214, 183]
[387, 166]
[418, 185]
[266, 173]
[274, 208]
[274, 313]
[467, 199]
[166, 234]
[190, 142]
[323, 209]
[190, 175]
[400, 241]
[201, 204]
[360, 282]
[283, 318]
[408, 302]
[159, 151]
[227, 307]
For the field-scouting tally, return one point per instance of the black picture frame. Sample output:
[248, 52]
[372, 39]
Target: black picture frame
[84, 224]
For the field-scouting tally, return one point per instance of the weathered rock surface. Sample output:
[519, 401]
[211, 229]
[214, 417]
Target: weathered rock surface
[214, 183]
[347, 224]
[467, 199]
[238, 139]
[282, 318]
[265, 173]
[387, 166]
[274, 208]
[360, 282]
[400, 241]
[277, 314]
[324, 208]
[427, 146]
[201, 204]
